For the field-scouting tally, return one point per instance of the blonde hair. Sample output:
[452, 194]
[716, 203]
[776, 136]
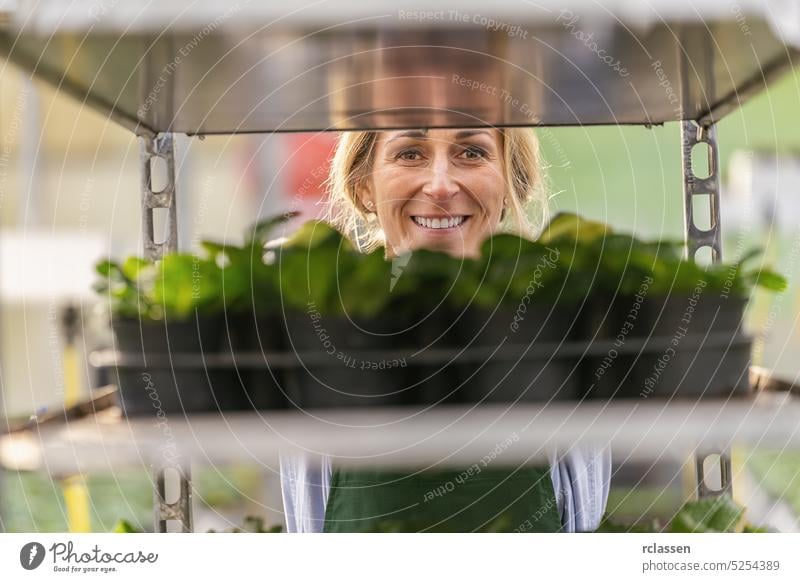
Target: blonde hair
[352, 165]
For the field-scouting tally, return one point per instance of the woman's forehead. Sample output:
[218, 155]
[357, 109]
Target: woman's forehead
[442, 135]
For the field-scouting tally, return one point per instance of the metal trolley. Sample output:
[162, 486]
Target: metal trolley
[202, 68]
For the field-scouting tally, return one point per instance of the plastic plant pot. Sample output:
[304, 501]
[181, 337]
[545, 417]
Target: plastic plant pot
[264, 386]
[523, 359]
[191, 335]
[610, 326]
[158, 389]
[700, 351]
[441, 381]
[348, 363]
[665, 346]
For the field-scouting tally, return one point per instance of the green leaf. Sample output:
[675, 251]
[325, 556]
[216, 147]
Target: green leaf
[313, 234]
[608, 526]
[107, 268]
[214, 249]
[769, 280]
[124, 526]
[252, 524]
[136, 267]
[186, 283]
[749, 256]
[259, 233]
[364, 287]
[566, 225]
[309, 276]
[714, 514]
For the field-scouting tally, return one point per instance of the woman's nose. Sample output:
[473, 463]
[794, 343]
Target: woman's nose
[439, 183]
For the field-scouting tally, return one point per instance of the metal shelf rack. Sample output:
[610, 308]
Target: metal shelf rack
[206, 68]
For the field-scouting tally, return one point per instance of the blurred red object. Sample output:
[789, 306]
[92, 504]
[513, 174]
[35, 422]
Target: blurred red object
[308, 157]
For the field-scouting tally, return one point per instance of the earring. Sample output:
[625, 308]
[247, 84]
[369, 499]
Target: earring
[368, 204]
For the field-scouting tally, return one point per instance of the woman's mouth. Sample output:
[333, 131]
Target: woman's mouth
[440, 223]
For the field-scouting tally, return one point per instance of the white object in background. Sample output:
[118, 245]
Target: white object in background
[40, 266]
[762, 202]
[762, 185]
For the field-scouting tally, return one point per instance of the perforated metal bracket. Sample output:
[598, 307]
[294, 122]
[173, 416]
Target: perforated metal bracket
[180, 510]
[695, 188]
[707, 188]
[726, 487]
[162, 146]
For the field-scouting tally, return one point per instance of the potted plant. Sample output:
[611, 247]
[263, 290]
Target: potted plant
[697, 315]
[449, 315]
[648, 312]
[252, 313]
[582, 310]
[424, 284]
[337, 323]
[166, 316]
[516, 318]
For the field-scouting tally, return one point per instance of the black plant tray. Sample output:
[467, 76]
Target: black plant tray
[714, 364]
[507, 351]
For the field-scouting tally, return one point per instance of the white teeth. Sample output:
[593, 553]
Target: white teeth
[439, 223]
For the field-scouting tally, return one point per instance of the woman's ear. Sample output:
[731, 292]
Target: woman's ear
[366, 199]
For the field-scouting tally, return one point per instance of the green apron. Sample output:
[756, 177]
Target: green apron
[456, 501]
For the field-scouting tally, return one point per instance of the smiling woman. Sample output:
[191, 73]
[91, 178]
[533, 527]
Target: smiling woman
[446, 190]
[441, 189]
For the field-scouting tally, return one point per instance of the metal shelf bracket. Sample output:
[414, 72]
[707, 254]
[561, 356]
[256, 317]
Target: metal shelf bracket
[696, 188]
[705, 189]
[725, 474]
[180, 510]
[162, 146]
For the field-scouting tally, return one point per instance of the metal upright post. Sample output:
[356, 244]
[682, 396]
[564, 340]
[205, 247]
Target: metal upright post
[699, 188]
[162, 146]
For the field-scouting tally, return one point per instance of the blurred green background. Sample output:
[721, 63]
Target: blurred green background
[630, 176]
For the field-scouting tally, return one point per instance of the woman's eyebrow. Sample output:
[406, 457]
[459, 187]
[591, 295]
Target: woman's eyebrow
[418, 133]
[471, 132]
[423, 133]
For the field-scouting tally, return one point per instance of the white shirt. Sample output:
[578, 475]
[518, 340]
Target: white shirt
[580, 478]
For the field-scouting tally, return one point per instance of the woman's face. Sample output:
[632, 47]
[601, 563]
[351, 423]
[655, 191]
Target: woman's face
[440, 189]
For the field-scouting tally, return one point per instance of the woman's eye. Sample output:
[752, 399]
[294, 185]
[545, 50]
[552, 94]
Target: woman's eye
[409, 155]
[473, 153]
